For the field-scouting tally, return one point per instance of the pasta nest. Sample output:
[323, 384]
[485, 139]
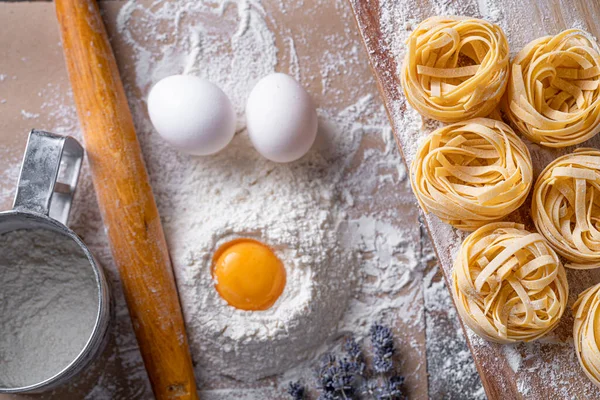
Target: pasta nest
[553, 95]
[586, 332]
[508, 284]
[472, 172]
[455, 68]
[566, 207]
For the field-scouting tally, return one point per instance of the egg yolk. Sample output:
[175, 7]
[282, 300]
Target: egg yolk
[248, 275]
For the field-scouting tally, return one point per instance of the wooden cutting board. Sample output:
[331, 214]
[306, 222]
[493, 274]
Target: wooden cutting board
[540, 370]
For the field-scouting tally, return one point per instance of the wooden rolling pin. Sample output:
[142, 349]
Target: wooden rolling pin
[128, 208]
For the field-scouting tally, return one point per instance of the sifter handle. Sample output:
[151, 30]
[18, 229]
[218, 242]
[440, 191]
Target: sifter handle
[40, 189]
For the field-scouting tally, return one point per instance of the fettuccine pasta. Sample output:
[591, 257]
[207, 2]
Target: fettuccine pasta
[508, 284]
[566, 207]
[472, 172]
[554, 95]
[455, 68]
[586, 332]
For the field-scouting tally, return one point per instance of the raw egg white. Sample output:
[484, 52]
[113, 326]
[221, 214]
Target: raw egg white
[192, 114]
[281, 118]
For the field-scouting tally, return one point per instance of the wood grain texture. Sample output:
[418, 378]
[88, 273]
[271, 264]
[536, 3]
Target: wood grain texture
[127, 205]
[547, 368]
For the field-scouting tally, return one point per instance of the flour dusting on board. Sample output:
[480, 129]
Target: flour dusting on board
[448, 359]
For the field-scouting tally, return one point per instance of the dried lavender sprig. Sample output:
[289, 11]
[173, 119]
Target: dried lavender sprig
[345, 378]
[326, 373]
[355, 357]
[339, 378]
[296, 390]
[328, 396]
[352, 348]
[391, 389]
[383, 347]
[370, 388]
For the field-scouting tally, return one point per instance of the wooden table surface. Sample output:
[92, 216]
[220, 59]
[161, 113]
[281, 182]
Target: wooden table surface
[33, 83]
[547, 368]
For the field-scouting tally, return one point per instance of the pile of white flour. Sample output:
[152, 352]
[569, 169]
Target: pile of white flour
[48, 305]
[292, 209]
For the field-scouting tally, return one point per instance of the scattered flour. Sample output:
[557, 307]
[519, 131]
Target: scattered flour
[449, 361]
[46, 285]
[513, 357]
[29, 115]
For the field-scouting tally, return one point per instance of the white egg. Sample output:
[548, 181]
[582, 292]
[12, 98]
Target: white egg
[192, 114]
[281, 118]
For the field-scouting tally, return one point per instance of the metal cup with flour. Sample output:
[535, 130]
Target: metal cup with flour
[45, 191]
